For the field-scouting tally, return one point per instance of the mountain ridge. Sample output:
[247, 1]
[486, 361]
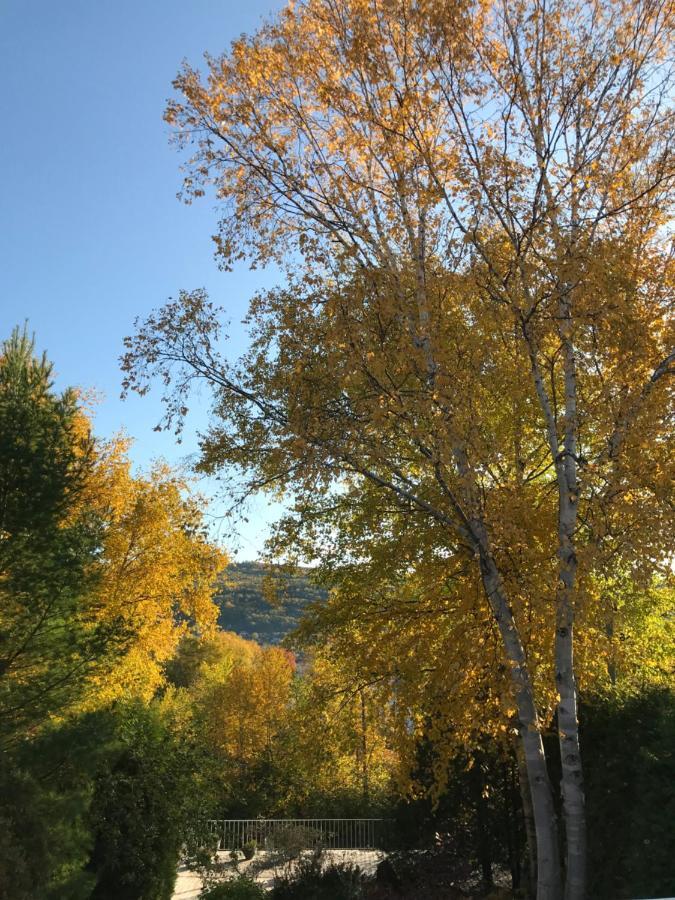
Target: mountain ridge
[244, 607]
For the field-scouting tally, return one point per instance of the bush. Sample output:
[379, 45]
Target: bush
[249, 849]
[23, 838]
[138, 812]
[45, 791]
[312, 880]
[241, 888]
[434, 873]
[630, 785]
[288, 843]
[475, 828]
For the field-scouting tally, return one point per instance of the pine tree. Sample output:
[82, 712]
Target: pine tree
[49, 631]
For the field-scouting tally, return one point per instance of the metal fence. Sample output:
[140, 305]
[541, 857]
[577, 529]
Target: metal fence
[276, 834]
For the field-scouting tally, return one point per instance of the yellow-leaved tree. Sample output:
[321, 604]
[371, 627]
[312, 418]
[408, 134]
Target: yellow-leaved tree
[341, 755]
[101, 570]
[474, 204]
[407, 617]
[157, 569]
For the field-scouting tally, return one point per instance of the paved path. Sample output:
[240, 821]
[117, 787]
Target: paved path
[188, 884]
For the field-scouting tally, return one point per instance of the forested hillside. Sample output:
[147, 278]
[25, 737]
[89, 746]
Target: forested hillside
[247, 609]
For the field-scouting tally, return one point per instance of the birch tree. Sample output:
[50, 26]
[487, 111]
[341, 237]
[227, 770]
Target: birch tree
[473, 204]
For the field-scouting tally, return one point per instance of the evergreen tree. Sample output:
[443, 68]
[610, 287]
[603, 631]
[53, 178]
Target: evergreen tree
[143, 807]
[49, 544]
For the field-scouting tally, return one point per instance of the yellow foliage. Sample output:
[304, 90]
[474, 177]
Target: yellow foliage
[241, 699]
[471, 360]
[157, 569]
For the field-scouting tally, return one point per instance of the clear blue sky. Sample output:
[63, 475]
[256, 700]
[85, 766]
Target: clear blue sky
[91, 232]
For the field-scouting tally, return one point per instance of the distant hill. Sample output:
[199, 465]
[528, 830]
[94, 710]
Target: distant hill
[245, 610]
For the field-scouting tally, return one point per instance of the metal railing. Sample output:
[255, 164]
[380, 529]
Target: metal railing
[276, 834]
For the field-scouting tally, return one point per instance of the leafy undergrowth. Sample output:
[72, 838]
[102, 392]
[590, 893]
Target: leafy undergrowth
[428, 875]
[240, 888]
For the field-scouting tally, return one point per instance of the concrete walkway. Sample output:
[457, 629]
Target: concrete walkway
[188, 884]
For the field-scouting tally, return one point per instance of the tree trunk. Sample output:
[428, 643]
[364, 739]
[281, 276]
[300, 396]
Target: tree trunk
[528, 819]
[484, 847]
[570, 757]
[549, 875]
[609, 631]
[365, 786]
[549, 878]
[568, 724]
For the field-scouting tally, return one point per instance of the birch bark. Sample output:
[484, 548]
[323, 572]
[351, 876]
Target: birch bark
[528, 819]
[549, 880]
[568, 722]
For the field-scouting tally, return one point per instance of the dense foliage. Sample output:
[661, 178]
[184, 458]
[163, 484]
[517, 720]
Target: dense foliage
[46, 791]
[101, 573]
[315, 880]
[51, 631]
[472, 349]
[257, 718]
[142, 807]
[236, 889]
[463, 389]
[631, 796]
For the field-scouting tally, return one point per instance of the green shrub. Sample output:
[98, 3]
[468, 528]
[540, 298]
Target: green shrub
[45, 792]
[249, 849]
[138, 811]
[23, 838]
[241, 888]
[629, 761]
[290, 842]
[435, 872]
[312, 880]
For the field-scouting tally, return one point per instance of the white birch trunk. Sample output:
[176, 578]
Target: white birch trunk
[528, 820]
[568, 722]
[549, 879]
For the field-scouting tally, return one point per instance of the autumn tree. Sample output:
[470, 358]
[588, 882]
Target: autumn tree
[102, 571]
[158, 568]
[406, 616]
[473, 202]
[231, 697]
[351, 768]
[243, 702]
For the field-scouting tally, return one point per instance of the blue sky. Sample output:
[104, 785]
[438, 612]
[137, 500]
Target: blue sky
[91, 232]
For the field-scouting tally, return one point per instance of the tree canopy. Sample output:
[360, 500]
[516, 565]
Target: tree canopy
[473, 205]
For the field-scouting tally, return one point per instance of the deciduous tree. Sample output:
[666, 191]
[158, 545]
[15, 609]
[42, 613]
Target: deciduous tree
[475, 200]
[158, 567]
